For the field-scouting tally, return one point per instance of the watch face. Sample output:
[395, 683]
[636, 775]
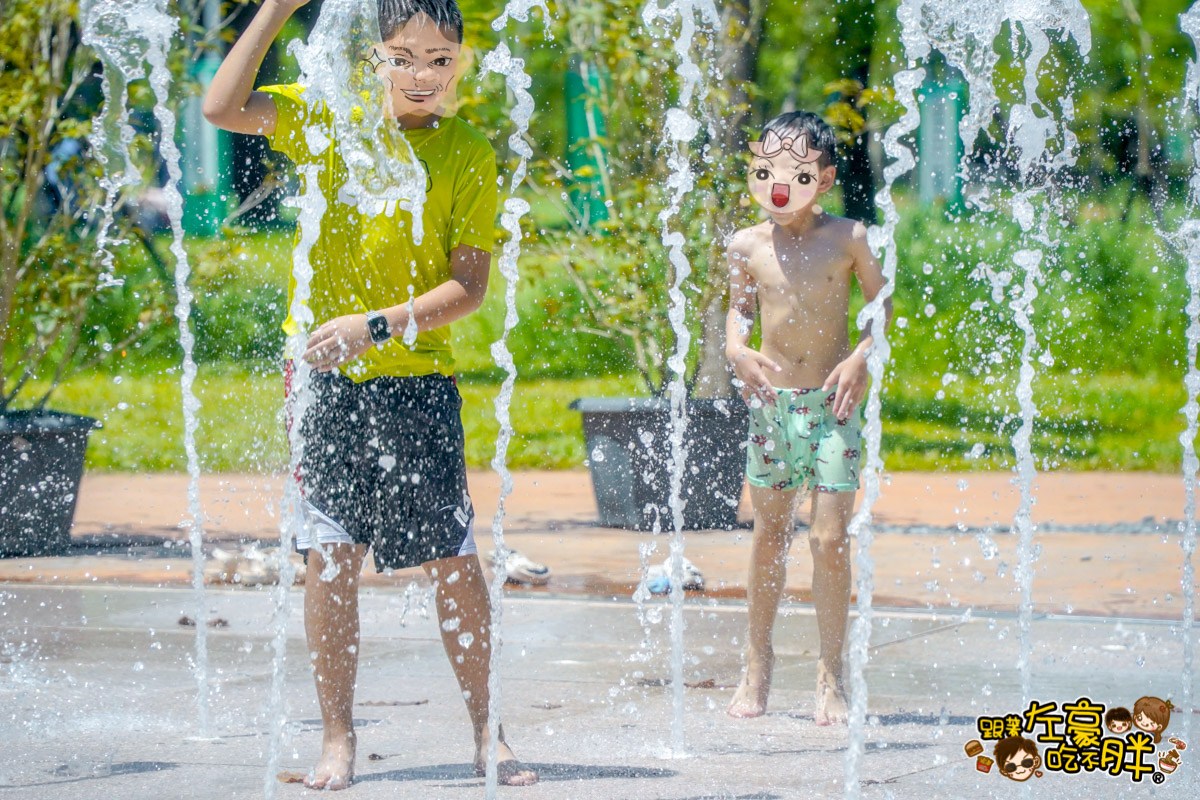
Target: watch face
[377, 326]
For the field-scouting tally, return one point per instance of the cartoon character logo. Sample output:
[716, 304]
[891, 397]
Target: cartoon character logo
[1152, 715]
[420, 66]
[1017, 758]
[785, 174]
[1118, 720]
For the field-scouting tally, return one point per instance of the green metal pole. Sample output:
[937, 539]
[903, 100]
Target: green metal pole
[587, 158]
[943, 100]
[206, 177]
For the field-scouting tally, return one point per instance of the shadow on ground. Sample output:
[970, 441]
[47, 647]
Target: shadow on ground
[64, 776]
[546, 772]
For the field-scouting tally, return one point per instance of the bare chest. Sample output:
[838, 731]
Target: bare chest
[803, 273]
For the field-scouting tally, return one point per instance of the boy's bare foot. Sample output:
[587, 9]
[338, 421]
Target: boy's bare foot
[509, 771]
[831, 699]
[335, 770]
[750, 700]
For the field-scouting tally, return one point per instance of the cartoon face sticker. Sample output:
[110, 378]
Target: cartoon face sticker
[785, 174]
[1017, 758]
[1118, 720]
[1152, 715]
[420, 66]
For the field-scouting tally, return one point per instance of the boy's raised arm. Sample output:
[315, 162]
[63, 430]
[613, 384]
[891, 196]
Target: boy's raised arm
[231, 102]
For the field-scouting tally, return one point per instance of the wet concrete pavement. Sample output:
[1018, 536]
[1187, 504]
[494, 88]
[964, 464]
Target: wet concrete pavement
[99, 698]
[100, 701]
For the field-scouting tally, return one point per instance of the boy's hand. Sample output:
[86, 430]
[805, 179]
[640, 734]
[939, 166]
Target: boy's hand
[850, 377]
[750, 368]
[338, 341]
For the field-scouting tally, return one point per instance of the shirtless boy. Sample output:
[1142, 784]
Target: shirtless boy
[804, 388]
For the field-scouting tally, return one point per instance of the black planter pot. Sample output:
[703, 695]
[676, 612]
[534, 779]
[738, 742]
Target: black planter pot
[41, 464]
[629, 454]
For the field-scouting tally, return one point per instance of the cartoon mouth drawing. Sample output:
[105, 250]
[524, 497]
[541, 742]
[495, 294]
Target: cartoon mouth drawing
[780, 194]
[419, 95]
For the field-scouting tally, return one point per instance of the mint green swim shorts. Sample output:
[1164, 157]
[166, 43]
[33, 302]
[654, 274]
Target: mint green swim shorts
[799, 442]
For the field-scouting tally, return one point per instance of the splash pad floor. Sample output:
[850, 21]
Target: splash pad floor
[99, 700]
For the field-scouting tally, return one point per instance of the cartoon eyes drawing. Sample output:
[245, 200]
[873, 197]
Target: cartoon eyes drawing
[404, 63]
[804, 179]
[762, 174]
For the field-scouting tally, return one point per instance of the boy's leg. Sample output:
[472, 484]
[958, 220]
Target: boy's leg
[773, 529]
[331, 626]
[830, 547]
[461, 594]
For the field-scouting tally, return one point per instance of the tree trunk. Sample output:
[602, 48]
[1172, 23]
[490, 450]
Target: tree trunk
[856, 27]
[737, 63]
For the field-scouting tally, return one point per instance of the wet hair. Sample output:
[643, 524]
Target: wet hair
[820, 134]
[1008, 747]
[1118, 714]
[1157, 710]
[395, 14]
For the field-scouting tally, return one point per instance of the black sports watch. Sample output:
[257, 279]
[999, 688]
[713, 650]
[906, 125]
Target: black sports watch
[378, 327]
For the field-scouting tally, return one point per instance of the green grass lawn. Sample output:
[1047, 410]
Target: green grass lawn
[241, 426]
[1110, 312]
[1113, 422]
[1106, 422]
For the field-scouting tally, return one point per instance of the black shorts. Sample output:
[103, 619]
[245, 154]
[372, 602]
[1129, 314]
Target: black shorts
[383, 463]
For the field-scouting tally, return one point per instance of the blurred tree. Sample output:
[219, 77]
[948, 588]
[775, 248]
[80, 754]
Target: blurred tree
[849, 100]
[50, 267]
[1128, 91]
[738, 45]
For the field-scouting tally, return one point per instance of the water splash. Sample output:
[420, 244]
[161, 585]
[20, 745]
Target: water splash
[520, 11]
[883, 242]
[1189, 242]
[129, 36]
[381, 168]
[965, 34]
[292, 519]
[108, 29]
[1033, 126]
[324, 61]
[679, 129]
[502, 62]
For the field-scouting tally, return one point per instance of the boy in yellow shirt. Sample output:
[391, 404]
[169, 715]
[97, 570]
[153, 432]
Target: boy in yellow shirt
[383, 463]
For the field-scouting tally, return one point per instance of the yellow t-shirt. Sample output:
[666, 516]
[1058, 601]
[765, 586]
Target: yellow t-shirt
[364, 263]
